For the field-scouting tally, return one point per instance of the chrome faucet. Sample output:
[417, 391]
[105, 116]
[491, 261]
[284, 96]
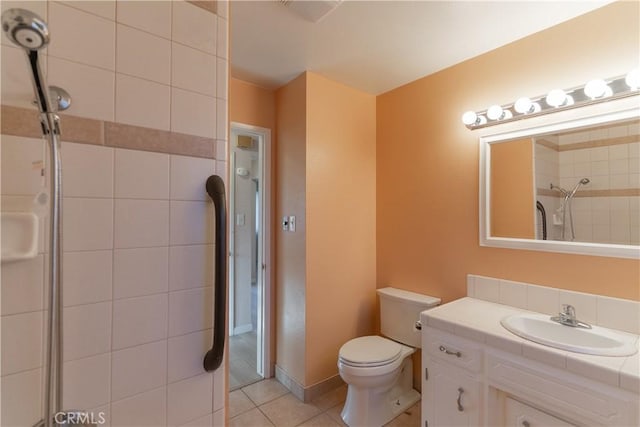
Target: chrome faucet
[567, 317]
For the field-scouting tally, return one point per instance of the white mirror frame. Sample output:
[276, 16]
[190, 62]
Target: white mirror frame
[622, 109]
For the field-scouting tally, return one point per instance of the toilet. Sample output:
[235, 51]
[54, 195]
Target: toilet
[378, 369]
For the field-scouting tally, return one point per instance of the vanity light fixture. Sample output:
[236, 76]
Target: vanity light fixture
[595, 91]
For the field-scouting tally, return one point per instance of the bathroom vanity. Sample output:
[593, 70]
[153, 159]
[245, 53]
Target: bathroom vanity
[476, 373]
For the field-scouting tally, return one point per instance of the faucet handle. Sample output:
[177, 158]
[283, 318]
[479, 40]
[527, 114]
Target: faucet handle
[568, 310]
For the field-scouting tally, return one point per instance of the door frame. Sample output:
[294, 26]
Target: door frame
[265, 364]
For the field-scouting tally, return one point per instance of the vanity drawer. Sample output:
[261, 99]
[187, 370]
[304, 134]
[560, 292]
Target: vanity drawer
[452, 349]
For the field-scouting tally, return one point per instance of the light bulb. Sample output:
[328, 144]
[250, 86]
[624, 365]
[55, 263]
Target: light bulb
[524, 105]
[633, 79]
[469, 118]
[597, 89]
[556, 98]
[495, 112]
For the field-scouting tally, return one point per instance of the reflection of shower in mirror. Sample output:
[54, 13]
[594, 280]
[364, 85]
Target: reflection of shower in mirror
[566, 206]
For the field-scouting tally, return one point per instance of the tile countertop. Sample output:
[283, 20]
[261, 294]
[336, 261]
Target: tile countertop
[479, 321]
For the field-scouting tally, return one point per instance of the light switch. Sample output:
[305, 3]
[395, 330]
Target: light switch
[285, 223]
[240, 220]
[292, 223]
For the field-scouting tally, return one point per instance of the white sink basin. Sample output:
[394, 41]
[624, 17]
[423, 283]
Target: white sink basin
[597, 341]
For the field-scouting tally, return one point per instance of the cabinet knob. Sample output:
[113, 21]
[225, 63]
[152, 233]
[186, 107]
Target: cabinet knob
[447, 351]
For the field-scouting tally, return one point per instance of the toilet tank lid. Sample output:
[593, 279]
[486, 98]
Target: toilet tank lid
[402, 295]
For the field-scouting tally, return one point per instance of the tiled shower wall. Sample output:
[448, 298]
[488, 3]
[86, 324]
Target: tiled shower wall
[150, 81]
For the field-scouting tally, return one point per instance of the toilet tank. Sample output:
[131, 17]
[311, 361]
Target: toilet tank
[399, 312]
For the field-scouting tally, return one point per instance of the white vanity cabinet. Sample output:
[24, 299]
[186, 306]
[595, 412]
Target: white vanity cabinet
[451, 381]
[468, 382]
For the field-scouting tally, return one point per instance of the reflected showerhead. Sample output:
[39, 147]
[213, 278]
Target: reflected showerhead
[584, 181]
[25, 28]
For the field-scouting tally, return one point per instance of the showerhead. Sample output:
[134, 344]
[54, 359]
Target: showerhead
[584, 181]
[25, 29]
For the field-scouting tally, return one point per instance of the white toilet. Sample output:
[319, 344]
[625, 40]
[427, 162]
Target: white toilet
[378, 370]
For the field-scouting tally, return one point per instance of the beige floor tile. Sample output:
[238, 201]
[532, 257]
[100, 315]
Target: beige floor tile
[265, 391]
[331, 398]
[239, 403]
[410, 418]
[334, 413]
[322, 420]
[252, 418]
[287, 410]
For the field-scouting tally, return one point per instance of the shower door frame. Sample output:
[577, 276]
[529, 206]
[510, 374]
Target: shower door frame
[265, 363]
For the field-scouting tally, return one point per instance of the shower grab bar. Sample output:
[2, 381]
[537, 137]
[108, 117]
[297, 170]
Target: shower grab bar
[213, 358]
[543, 213]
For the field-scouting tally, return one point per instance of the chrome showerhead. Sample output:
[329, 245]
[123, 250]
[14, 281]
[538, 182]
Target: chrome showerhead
[584, 181]
[25, 29]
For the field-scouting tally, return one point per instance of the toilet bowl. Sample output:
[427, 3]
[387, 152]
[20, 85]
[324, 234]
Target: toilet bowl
[379, 370]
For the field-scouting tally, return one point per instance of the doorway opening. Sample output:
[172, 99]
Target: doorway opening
[249, 256]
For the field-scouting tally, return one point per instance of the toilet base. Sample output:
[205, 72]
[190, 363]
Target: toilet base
[376, 407]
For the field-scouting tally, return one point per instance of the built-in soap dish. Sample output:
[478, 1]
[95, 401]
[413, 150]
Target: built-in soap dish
[19, 235]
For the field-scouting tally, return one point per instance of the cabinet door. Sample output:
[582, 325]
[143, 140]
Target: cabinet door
[517, 414]
[451, 397]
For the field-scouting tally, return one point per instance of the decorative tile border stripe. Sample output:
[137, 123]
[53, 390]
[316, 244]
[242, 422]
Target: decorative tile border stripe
[588, 144]
[620, 192]
[209, 5]
[25, 122]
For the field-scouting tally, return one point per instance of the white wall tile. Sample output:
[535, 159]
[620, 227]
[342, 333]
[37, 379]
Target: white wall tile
[88, 224]
[87, 171]
[221, 118]
[92, 89]
[141, 223]
[189, 399]
[22, 286]
[139, 369]
[17, 89]
[186, 353]
[193, 114]
[141, 175]
[189, 176]
[219, 389]
[87, 382]
[194, 27]
[192, 223]
[218, 418]
[513, 294]
[487, 289]
[618, 314]
[151, 16]
[223, 8]
[190, 311]
[143, 55]
[585, 304]
[222, 36]
[139, 320]
[22, 342]
[191, 266]
[21, 407]
[221, 149]
[193, 70]
[142, 103]
[542, 299]
[145, 409]
[222, 79]
[87, 330]
[105, 9]
[18, 174]
[205, 421]
[139, 272]
[82, 37]
[86, 277]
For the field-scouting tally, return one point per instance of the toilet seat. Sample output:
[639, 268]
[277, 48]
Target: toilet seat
[369, 351]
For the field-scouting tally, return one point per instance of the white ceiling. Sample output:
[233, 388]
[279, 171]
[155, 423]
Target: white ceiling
[376, 46]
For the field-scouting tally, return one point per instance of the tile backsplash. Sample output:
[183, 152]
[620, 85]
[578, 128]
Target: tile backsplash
[614, 313]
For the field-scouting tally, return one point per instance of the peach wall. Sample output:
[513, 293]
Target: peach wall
[427, 161]
[341, 221]
[290, 253]
[512, 209]
[251, 104]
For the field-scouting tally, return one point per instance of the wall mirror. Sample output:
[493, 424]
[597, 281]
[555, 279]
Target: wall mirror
[568, 184]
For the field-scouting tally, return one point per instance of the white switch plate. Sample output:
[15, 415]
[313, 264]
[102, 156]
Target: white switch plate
[292, 223]
[285, 223]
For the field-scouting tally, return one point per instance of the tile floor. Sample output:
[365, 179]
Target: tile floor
[242, 360]
[269, 403]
